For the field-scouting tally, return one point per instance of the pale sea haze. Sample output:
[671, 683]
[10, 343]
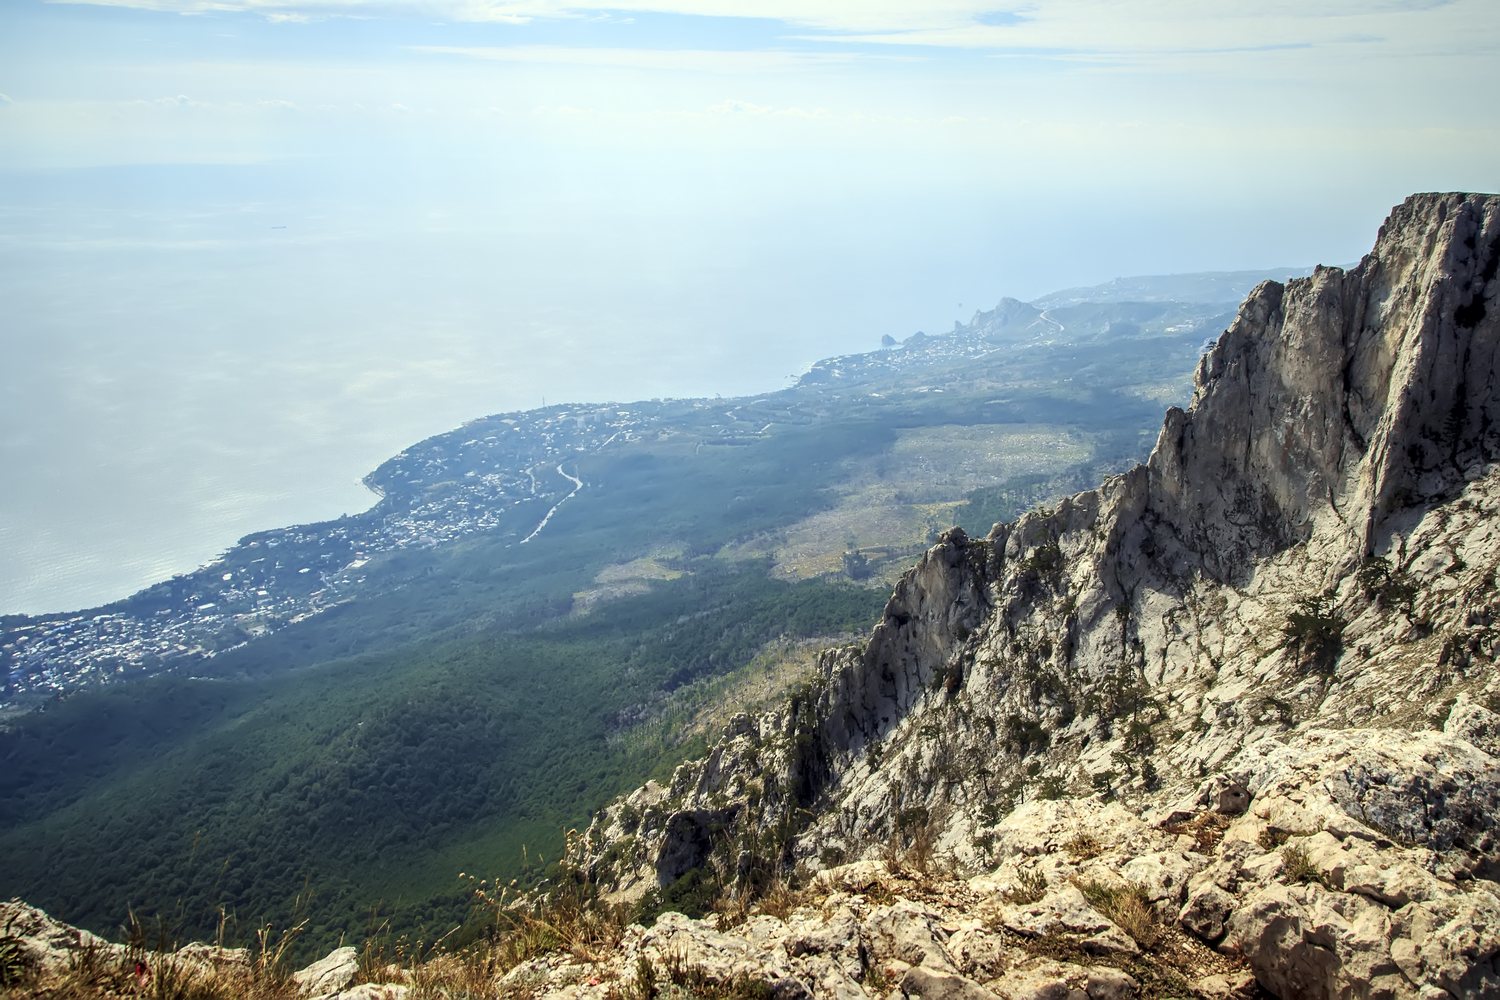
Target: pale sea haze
[181, 375]
[251, 248]
[184, 374]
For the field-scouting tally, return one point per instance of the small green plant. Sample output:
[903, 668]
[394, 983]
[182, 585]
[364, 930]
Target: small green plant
[878, 979]
[1024, 736]
[913, 842]
[1267, 708]
[1297, 866]
[1149, 778]
[645, 979]
[704, 986]
[1044, 560]
[1030, 887]
[1138, 738]
[1386, 585]
[1051, 788]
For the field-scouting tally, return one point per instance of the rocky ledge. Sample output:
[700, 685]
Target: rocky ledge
[1224, 726]
[1291, 606]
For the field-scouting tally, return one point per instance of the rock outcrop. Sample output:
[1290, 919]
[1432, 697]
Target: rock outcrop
[1225, 726]
[44, 957]
[1281, 628]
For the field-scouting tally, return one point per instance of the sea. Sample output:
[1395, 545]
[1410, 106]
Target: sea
[177, 377]
[193, 352]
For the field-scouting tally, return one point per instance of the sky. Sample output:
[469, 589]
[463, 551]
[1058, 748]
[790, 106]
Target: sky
[249, 248]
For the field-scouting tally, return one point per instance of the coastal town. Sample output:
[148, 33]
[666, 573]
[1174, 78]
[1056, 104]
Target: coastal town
[499, 473]
[502, 474]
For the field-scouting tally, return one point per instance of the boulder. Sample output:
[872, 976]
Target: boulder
[329, 975]
[922, 983]
[908, 933]
[48, 944]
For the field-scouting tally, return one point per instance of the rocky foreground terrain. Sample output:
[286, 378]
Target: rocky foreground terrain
[1224, 726]
[1250, 684]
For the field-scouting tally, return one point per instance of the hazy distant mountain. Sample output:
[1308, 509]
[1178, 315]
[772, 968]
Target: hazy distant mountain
[1205, 287]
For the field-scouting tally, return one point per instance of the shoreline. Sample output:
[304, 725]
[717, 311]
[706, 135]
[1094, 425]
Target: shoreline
[109, 593]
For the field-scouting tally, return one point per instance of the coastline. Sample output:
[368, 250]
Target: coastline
[94, 577]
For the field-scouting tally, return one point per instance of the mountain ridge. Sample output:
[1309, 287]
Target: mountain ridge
[1336, 466]
[496, 475]
[709, 541]
[1227, 725]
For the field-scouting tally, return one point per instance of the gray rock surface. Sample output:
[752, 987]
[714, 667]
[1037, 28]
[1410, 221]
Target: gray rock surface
[1280, 631]
[929, 984]
[1226, 723]
[374, 991]
[328, 976]
[48, 943]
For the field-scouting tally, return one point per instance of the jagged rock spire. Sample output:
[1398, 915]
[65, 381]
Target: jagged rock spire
[1283, 600]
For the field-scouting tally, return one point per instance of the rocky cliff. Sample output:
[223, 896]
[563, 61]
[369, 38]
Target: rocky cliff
[1285, 620]
[1225, 726]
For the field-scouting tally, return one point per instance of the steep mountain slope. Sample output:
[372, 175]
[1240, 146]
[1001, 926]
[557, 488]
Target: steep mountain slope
[1225, 726]
[335, 719]
[1281, 627]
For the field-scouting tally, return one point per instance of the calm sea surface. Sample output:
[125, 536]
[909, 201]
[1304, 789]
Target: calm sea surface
[171, 383]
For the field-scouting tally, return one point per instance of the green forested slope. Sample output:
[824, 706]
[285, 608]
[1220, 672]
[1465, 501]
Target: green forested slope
[373, 780]
[353, 763]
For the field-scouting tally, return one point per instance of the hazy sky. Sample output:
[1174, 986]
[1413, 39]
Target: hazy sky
[1022, 145]
[280, 239]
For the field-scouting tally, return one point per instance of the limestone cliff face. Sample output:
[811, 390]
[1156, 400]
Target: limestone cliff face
[1342, 399]
[1296, 587]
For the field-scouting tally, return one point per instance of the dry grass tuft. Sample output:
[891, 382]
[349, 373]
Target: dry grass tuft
[1030, 887]
[1206, 829]
[1127, 905]
[912, 846]
[16, 965]
[780, 900]
[1297, 866]
[1083, 846]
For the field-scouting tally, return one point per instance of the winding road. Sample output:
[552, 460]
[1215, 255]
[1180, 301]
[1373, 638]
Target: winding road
[577, 485]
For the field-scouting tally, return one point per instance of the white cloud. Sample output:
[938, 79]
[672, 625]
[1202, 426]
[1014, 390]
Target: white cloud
[1178, 71]
[1099, 27]
[688, 60]
[749, 109]
[976, 21]
[1307, 43]
[5, 99]
[740, 108]
[300, 11]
